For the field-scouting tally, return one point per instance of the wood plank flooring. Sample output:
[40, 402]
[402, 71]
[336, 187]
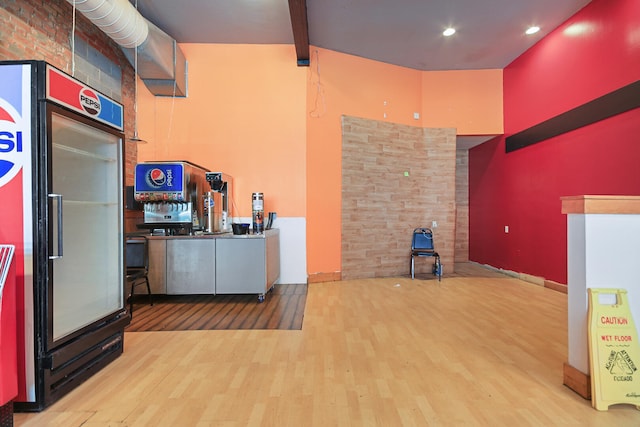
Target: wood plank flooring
[467, 351]
[283, 308]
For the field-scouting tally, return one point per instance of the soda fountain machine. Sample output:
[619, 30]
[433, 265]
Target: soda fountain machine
[172, 196]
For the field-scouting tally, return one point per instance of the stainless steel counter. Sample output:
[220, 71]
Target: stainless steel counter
[214, 263]
[225, 235]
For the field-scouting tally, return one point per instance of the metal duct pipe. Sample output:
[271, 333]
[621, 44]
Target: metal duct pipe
[117, 18]
[161, 63]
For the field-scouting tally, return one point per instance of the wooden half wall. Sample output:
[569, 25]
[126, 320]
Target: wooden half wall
[395, 178]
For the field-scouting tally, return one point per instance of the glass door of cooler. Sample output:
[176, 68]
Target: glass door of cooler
[85, 223]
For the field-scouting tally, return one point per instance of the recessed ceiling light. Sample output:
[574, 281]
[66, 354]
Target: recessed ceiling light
[449, 32]
[532, 30]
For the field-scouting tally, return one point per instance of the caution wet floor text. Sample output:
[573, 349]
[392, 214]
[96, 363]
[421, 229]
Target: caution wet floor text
[614, 352]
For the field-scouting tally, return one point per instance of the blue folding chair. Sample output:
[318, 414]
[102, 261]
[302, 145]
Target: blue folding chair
[422, 246]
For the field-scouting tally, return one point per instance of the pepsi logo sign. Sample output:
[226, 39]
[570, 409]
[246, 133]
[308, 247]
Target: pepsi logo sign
[156, 178]
[90, 102]
[11, 142]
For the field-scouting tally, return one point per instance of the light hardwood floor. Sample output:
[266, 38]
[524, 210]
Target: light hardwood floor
[472, 350]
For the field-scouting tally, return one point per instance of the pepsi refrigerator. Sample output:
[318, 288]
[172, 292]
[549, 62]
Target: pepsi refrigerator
[61, 192]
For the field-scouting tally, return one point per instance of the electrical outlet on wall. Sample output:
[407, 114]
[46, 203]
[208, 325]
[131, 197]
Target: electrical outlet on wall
[434, 224]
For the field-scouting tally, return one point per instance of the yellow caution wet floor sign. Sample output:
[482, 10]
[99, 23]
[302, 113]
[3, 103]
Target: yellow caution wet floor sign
[614, 351]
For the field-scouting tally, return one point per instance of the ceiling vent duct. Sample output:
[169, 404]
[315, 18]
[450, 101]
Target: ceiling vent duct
[161, 64]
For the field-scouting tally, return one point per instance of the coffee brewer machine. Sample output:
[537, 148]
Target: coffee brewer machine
[171, 193]
[222, 185]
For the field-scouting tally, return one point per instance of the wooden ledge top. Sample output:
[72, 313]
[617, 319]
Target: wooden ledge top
[600, 204]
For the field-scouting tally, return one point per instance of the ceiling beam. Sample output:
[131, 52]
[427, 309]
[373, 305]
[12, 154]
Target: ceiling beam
[300, 26]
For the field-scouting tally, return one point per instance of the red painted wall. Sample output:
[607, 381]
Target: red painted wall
[593, 53]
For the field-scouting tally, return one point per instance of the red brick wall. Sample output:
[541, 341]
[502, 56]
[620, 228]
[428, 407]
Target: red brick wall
[42, 30]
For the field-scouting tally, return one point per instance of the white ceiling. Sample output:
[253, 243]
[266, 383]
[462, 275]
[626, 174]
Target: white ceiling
[408, 33]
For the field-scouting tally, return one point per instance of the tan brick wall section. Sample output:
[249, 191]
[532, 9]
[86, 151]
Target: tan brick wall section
[381, 206]
[462, 206]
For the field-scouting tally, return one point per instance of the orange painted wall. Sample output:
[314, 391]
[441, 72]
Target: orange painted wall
[276, 127]
[244, 115]
[339, 85]
[468, 100]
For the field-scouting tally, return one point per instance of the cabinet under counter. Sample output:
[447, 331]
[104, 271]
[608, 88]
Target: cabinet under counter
[214, 264]
[191, 266]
